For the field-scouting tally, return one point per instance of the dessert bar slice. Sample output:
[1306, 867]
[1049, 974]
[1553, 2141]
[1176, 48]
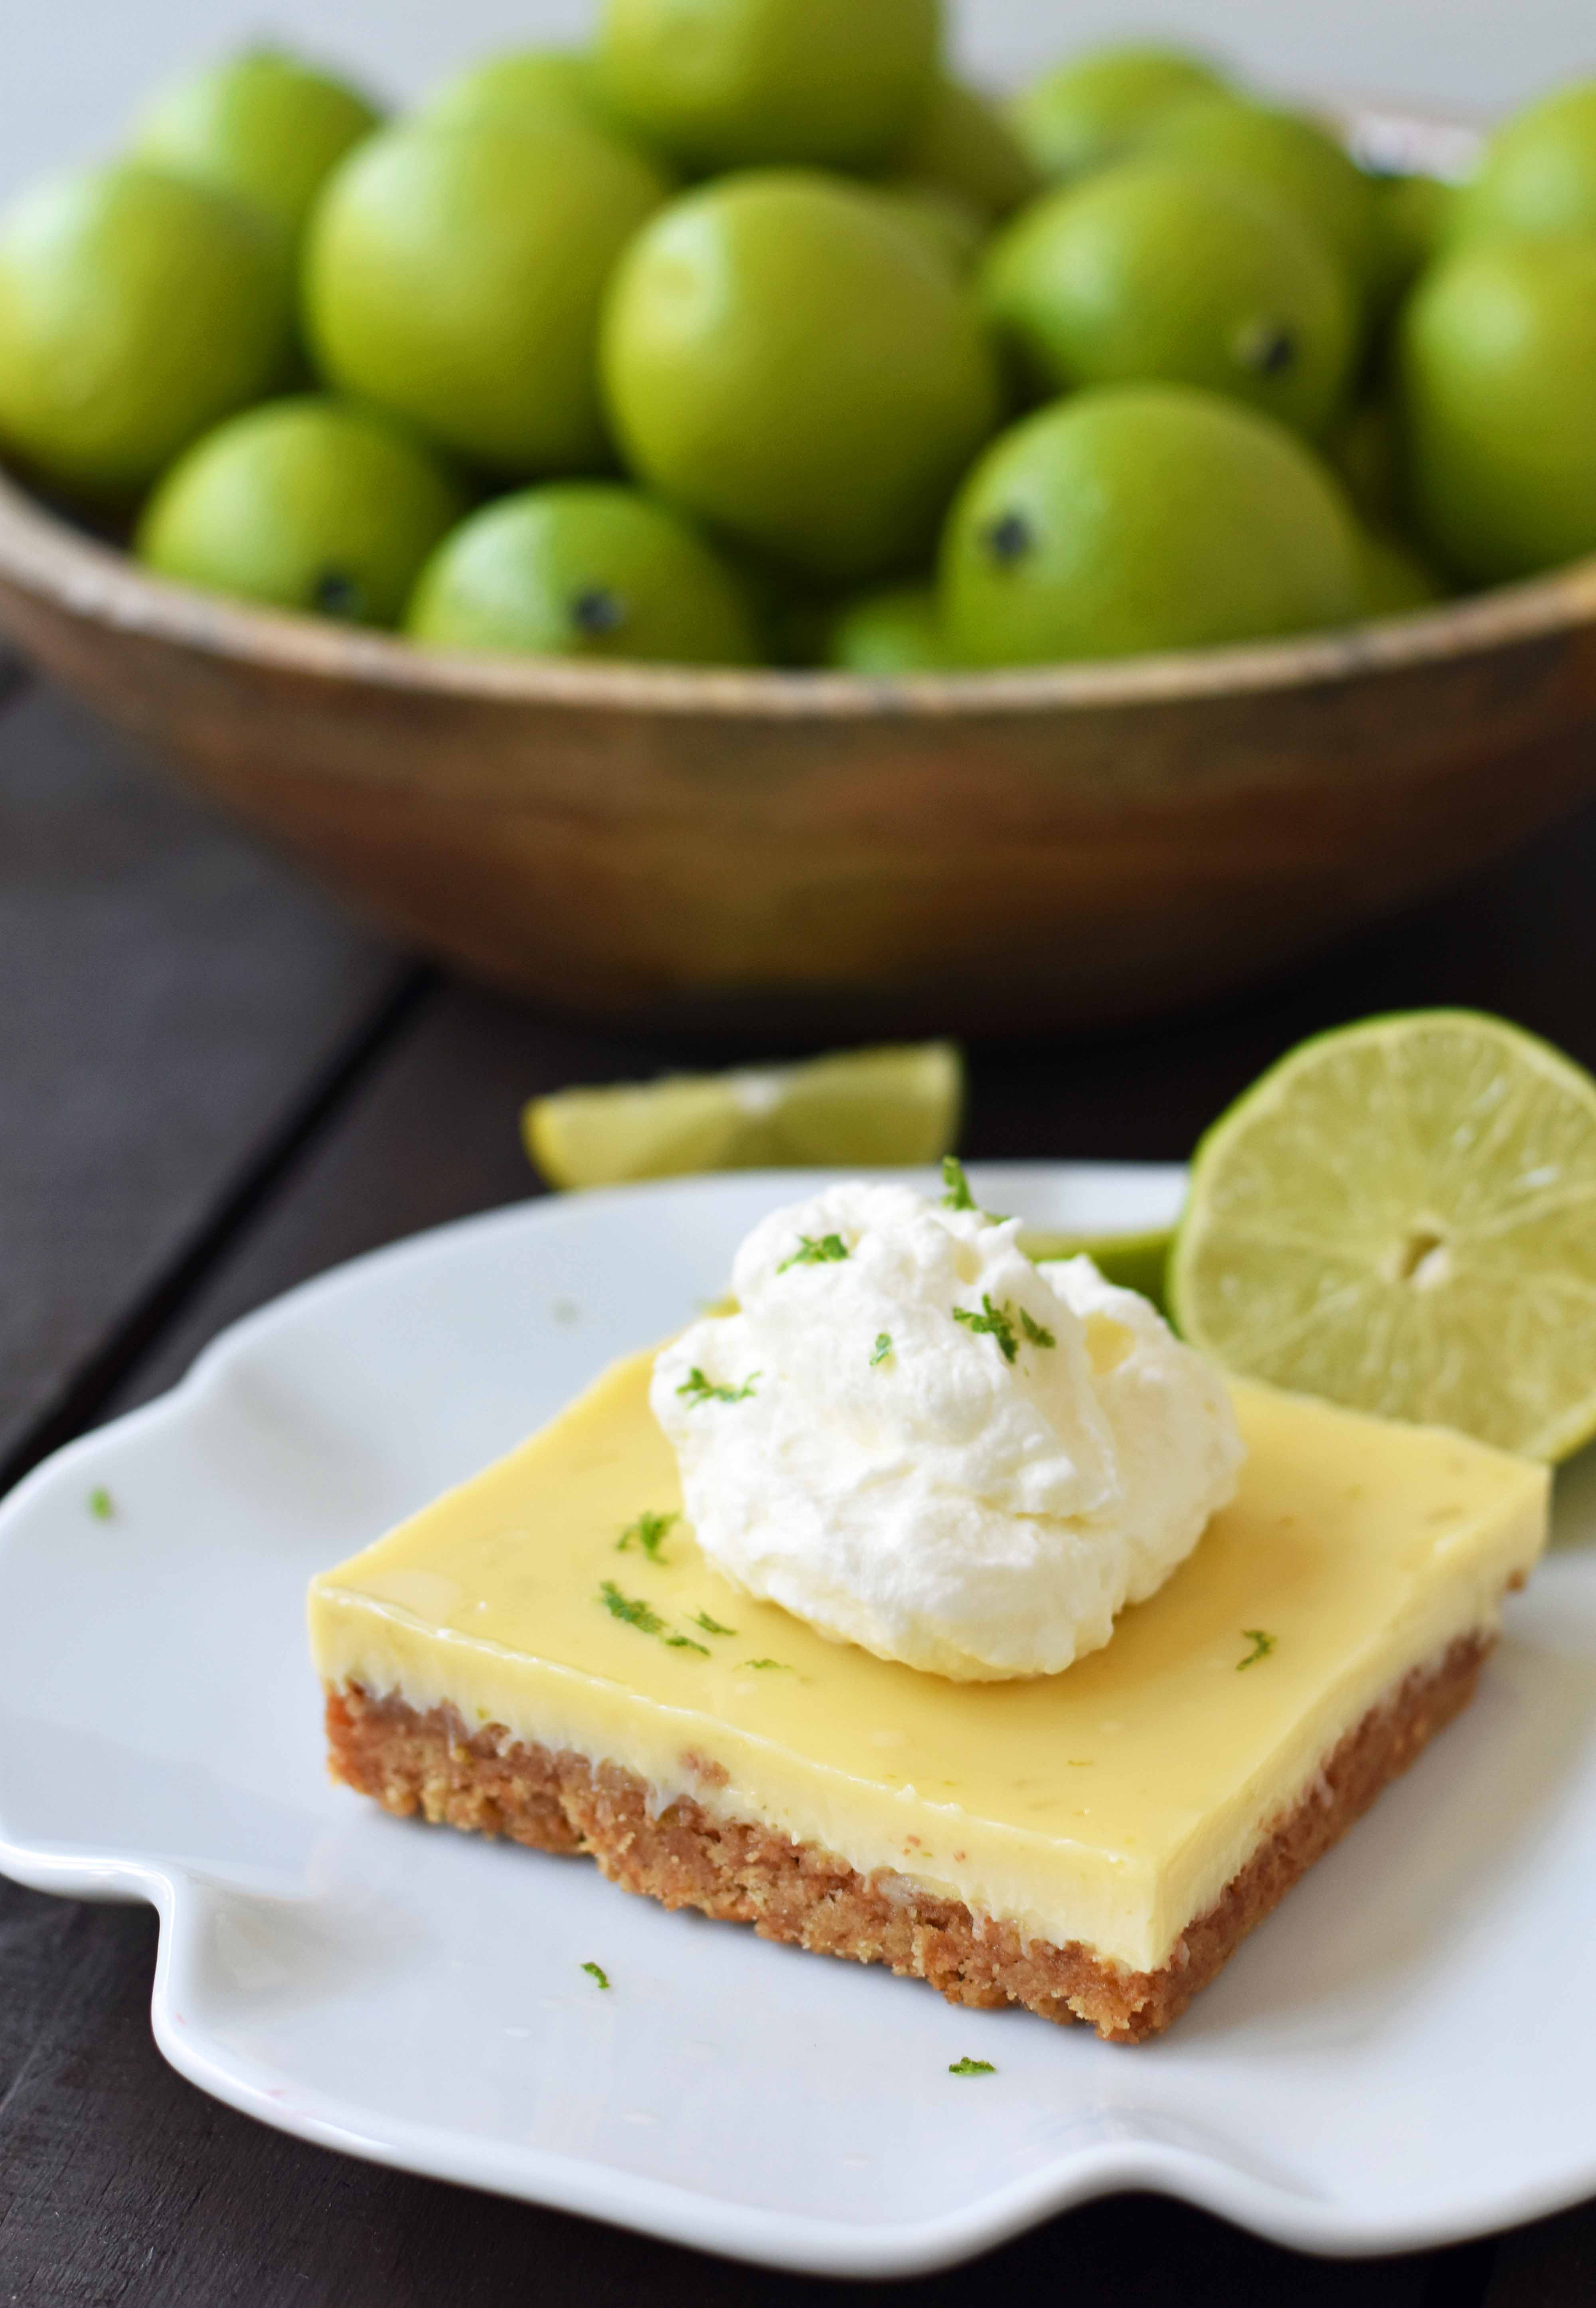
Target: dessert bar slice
[544, 1654]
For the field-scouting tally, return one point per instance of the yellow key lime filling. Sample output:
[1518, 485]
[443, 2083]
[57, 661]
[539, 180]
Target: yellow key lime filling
[1110, 1804]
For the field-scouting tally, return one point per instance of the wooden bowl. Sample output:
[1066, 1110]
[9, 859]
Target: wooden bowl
[820, 856]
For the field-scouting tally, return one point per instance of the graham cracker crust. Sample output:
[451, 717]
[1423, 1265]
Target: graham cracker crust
[685, 1857]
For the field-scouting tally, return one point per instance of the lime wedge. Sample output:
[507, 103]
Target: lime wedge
[1135, 1261]
[859, 1107]
[1402, 1216]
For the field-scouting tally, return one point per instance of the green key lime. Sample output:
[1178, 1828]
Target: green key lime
[137, 309]
[1538, 173]
[939, 221]
[1392, 579]
[1292, 159]
[1142, 517]
[1402, 1216]
[454, 275]
[858, 1108]
[526, 85]
[583, 569]
[522, 81]
[1098, 106]
[783, 357]
[306, 504]
[736, 83]
[1497, 358]
[963, 142]
[263, 127]
[1164, 270]
[888, 633]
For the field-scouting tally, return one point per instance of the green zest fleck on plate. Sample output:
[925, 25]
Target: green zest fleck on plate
[826, 1251]
[883, 1348]
[1261, 1645]
[971, 2068]
[697, 1388]
[764, 1663]
[646, 1533]
[596, 1971]
[99, 1504]
[711, 1626]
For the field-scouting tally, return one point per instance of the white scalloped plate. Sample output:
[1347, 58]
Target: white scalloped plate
[1403, 2056]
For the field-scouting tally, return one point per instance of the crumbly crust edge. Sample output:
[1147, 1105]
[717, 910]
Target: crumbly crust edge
[686, 1855]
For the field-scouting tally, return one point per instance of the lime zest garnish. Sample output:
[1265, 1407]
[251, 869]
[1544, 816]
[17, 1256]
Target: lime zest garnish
[968, 2067]
[630, 1608]
[996, 1322]
[1035, 1332]
[1261, 1645]
[634, 1612]
[697, 1388]
[711, 1626]
[101, 1505]
[647, 1533]
[828, 1252]
[882, 1349]
[957, 1195]
[596, 1971]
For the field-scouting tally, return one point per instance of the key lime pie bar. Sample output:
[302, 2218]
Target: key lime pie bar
[935, 1609]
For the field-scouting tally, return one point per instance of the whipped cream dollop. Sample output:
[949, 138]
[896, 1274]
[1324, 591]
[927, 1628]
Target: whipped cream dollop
[916, 1440]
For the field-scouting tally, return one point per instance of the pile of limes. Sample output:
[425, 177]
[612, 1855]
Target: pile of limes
[752, 335]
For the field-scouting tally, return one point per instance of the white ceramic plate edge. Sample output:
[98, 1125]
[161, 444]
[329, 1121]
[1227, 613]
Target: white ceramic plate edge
[179, 1895]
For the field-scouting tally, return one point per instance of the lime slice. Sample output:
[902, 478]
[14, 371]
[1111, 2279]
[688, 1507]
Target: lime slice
[1135, 1261]
[1402, 1216]
[899, 1104]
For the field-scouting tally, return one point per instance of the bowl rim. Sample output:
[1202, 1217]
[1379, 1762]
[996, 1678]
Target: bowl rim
[43, 556]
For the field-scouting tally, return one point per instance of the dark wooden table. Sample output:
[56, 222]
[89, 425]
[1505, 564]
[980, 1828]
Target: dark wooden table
[213, 1085]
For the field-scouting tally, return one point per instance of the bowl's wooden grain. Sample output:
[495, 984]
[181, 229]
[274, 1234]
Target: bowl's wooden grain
[793, 852]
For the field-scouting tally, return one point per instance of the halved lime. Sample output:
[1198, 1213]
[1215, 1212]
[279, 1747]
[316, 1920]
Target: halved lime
[895, 1105]
[1132, 1262]
[1402, 1216]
